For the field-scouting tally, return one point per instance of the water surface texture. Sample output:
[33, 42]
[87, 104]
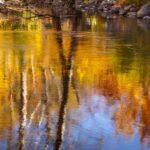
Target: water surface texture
[79, 83]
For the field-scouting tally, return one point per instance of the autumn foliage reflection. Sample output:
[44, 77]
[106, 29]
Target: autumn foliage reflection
[47, 75]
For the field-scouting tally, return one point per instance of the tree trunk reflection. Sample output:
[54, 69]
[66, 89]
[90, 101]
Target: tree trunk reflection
[67, 72]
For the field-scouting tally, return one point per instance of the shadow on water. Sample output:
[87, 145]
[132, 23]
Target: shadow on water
[45, 104]
[67, 73]
[22, 113]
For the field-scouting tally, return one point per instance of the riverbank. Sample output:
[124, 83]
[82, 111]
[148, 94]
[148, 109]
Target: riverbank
[111, 9]
[108, 9]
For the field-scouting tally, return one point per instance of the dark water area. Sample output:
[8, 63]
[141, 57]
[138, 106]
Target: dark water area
[75, 83]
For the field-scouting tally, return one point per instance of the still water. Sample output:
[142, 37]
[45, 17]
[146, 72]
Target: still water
[79, 83]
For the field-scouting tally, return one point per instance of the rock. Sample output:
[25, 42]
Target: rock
[100, 8]
[114, 10]
[107, 3]
[144, 11]
[2, 6]
[132, 14]
[127, 8]
[146, 18]
[105, 9]
[12, 3]
[122, 12]
[86, 8]
[103, 3]
[104, 14]
[79, 6]
[144, 24]
[133, 9]
[111, 17]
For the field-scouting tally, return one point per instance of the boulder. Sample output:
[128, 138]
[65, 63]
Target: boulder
[2, 6]
[105, 9]
[146, 18]
[114, 10]
[100, 8]
[122, 12]
[104, 14]
[144, 11]
[132, 14]
[107, 3]
[127, 8]
[133, 9]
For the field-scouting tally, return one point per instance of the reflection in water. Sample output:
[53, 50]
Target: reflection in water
[79, 82]
[23, 102]
[67, 67]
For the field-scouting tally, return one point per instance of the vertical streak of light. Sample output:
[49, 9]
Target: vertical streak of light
[23, 103]
[25, 99]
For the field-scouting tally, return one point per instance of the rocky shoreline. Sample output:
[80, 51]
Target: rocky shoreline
[108, 9]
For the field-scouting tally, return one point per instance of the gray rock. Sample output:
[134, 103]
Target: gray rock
[103, 3]
[132, 14]
[2, 6]
[127, 8]
[133, 9]
[122, 12]
[146, 18]
[107, 3]
[144, 11]
[100, 8]
[114, 10]
[105, 9]
[111, 17]
[104, 14]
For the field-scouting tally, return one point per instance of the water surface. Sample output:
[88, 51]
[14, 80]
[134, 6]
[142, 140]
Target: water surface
[78, 83]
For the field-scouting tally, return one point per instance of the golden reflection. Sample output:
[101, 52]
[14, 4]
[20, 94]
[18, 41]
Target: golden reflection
[42, 68]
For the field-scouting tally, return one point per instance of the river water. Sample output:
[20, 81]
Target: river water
[78, 83]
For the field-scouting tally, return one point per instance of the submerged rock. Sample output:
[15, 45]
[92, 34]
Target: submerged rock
[144, 11]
